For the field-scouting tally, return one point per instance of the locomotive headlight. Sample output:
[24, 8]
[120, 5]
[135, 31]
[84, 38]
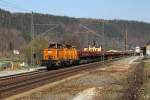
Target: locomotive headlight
[49, 52]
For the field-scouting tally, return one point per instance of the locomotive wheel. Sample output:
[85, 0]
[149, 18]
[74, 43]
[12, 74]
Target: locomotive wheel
[48, 67]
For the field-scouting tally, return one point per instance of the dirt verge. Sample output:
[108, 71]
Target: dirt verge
[134, 81]
[144, 93]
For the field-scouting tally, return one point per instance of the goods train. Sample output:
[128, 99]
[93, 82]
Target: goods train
[59, 55]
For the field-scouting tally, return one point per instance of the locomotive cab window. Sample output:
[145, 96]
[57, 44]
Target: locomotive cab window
[56, 46]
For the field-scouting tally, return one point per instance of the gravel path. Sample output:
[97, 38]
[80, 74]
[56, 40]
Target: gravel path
[104, 83]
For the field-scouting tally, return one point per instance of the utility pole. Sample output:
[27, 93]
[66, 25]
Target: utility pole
[32, 38]
[126, 37]
[103, 34]
[113, 43]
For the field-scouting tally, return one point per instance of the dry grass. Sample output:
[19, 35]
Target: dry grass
[145, 89]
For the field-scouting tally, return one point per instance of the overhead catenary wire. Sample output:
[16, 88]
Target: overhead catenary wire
[90, 31]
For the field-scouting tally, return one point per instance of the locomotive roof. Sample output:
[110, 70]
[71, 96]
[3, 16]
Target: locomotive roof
[53, 44]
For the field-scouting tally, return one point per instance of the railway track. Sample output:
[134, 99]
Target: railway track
[23, 82]
[20, 74]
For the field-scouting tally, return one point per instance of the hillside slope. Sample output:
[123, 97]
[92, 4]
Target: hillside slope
[15, 30]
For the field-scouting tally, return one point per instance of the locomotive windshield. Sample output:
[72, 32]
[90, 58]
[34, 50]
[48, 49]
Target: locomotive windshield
[55, 45]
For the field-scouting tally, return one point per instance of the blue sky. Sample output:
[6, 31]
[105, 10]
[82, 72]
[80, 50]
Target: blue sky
[105, 9]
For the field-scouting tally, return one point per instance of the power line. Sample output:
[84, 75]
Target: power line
[89, 30]
[54, 27]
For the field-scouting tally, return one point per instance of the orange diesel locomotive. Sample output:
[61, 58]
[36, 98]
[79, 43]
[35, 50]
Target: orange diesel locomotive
[59, 55]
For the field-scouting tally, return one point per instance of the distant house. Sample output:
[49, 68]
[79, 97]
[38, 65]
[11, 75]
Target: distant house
[148, 48]
[16, 52]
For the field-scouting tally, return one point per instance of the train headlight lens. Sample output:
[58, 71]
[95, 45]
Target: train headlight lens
[49, 52]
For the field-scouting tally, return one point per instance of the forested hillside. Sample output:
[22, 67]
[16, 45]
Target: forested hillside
[15, 31]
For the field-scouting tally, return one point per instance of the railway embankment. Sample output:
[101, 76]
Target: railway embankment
[118, 80]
